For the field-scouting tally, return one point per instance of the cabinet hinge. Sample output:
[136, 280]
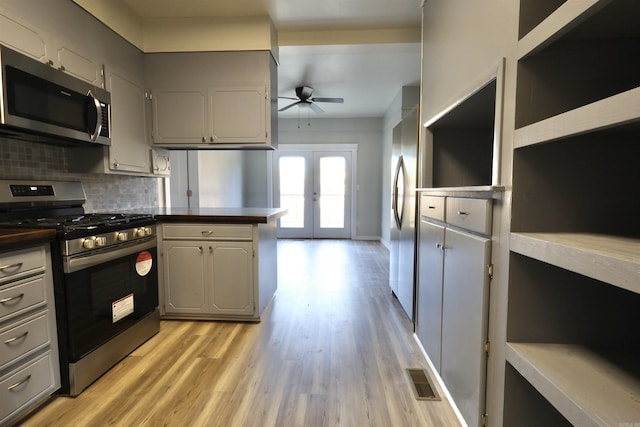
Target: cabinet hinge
[485, 420]
[189, 193]
[487, 347]
[490, 271]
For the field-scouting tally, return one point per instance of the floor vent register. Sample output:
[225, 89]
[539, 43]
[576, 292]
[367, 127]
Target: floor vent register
[422, 386]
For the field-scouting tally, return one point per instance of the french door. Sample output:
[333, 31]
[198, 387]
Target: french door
[315, 187]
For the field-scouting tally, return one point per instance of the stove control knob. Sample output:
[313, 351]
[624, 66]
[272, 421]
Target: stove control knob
[122, 237]
[101, 241]
[138, 232]
[88, 243]
[148, 231]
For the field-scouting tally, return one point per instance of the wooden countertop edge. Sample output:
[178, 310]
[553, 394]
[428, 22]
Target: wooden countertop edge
[222, 218]
[14, 238]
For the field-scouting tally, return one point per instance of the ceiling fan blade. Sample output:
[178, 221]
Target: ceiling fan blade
[336, 100]
[289, 106]
[315, 108]
[288, 97]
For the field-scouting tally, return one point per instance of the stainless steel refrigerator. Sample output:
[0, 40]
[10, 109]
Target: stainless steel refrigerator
[404, 156]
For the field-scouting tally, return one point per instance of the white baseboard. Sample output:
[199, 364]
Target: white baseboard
[438, 378]
[366, 238]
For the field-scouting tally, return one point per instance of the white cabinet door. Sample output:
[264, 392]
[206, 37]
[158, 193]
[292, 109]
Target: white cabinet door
[464, 321]
[185, 277]
[238, 114]
[78, 64]
[180, 116]
[231, 277]
[429, 299]
[129, 150]
[20, 36]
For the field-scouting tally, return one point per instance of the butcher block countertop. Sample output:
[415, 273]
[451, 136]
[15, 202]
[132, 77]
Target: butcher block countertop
[12, 238]
[218, 215]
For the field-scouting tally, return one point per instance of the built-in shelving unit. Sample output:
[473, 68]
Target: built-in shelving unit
[463, 141]
[573, 334]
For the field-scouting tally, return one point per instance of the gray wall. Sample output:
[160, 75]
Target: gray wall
[367, 134]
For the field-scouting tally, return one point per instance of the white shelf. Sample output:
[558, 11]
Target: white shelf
[587, 387]
[558, 23]
[610, 259]
[616, 110]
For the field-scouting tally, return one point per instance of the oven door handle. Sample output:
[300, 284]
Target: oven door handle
[78, 263]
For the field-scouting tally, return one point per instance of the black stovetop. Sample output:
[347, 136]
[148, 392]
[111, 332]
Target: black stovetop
[79, 224]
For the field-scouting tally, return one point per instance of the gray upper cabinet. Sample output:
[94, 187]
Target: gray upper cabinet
[129, 149]
[22, 37]
[238, 115]
[80, 65]
[27, 39]
[180, 116]
[129, 152]
[209, 100]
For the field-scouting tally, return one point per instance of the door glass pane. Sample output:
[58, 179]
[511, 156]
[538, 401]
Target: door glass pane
[292, 174]
[332, 192]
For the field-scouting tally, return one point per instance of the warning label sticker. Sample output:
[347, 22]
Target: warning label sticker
[122, 308]
[144, 263]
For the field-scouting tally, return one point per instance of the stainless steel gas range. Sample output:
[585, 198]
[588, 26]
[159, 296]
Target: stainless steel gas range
[105, 275]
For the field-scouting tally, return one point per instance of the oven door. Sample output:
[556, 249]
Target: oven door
[107, 292]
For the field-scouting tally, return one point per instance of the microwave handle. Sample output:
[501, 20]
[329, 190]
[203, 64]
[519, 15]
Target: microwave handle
[94, 102]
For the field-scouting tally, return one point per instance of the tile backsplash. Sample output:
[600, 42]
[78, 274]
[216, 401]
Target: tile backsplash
[28, 160]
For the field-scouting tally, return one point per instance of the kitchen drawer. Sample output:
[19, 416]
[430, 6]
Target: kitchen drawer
[17, 264]
[432, 207]
[19, 297]
[25, 385]
[23, 337]
[470, 214]
[208, 231]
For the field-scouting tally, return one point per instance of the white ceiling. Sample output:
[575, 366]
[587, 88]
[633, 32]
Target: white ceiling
[367, 76]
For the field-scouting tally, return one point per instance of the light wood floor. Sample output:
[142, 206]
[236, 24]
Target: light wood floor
[333, 351]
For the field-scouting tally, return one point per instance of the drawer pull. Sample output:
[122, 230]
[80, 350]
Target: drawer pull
[431, 207]
[19, 383]
[462, 213]
[207, 233]
[7, 300]
[10, 266]
[14, 339]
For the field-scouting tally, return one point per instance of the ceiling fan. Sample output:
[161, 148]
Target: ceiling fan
[303, 97]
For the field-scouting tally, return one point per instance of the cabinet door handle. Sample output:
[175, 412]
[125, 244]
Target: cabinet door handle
[210, 250]
[431, 207]
[14, 339]
[204, 139]
[463, 213]
[207, 233]
[9, 299]
[9, 266]
[19, 383]
[441, 246]
[200, 249]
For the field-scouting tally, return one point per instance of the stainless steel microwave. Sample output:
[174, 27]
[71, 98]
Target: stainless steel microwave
[42, 103]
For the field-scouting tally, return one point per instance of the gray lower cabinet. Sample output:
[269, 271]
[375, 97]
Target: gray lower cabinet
[29, 368]
[429, 304]
[209, 271]
[453, 296]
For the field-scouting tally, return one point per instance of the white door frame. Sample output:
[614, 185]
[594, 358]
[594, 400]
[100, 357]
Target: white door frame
[353, 148]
